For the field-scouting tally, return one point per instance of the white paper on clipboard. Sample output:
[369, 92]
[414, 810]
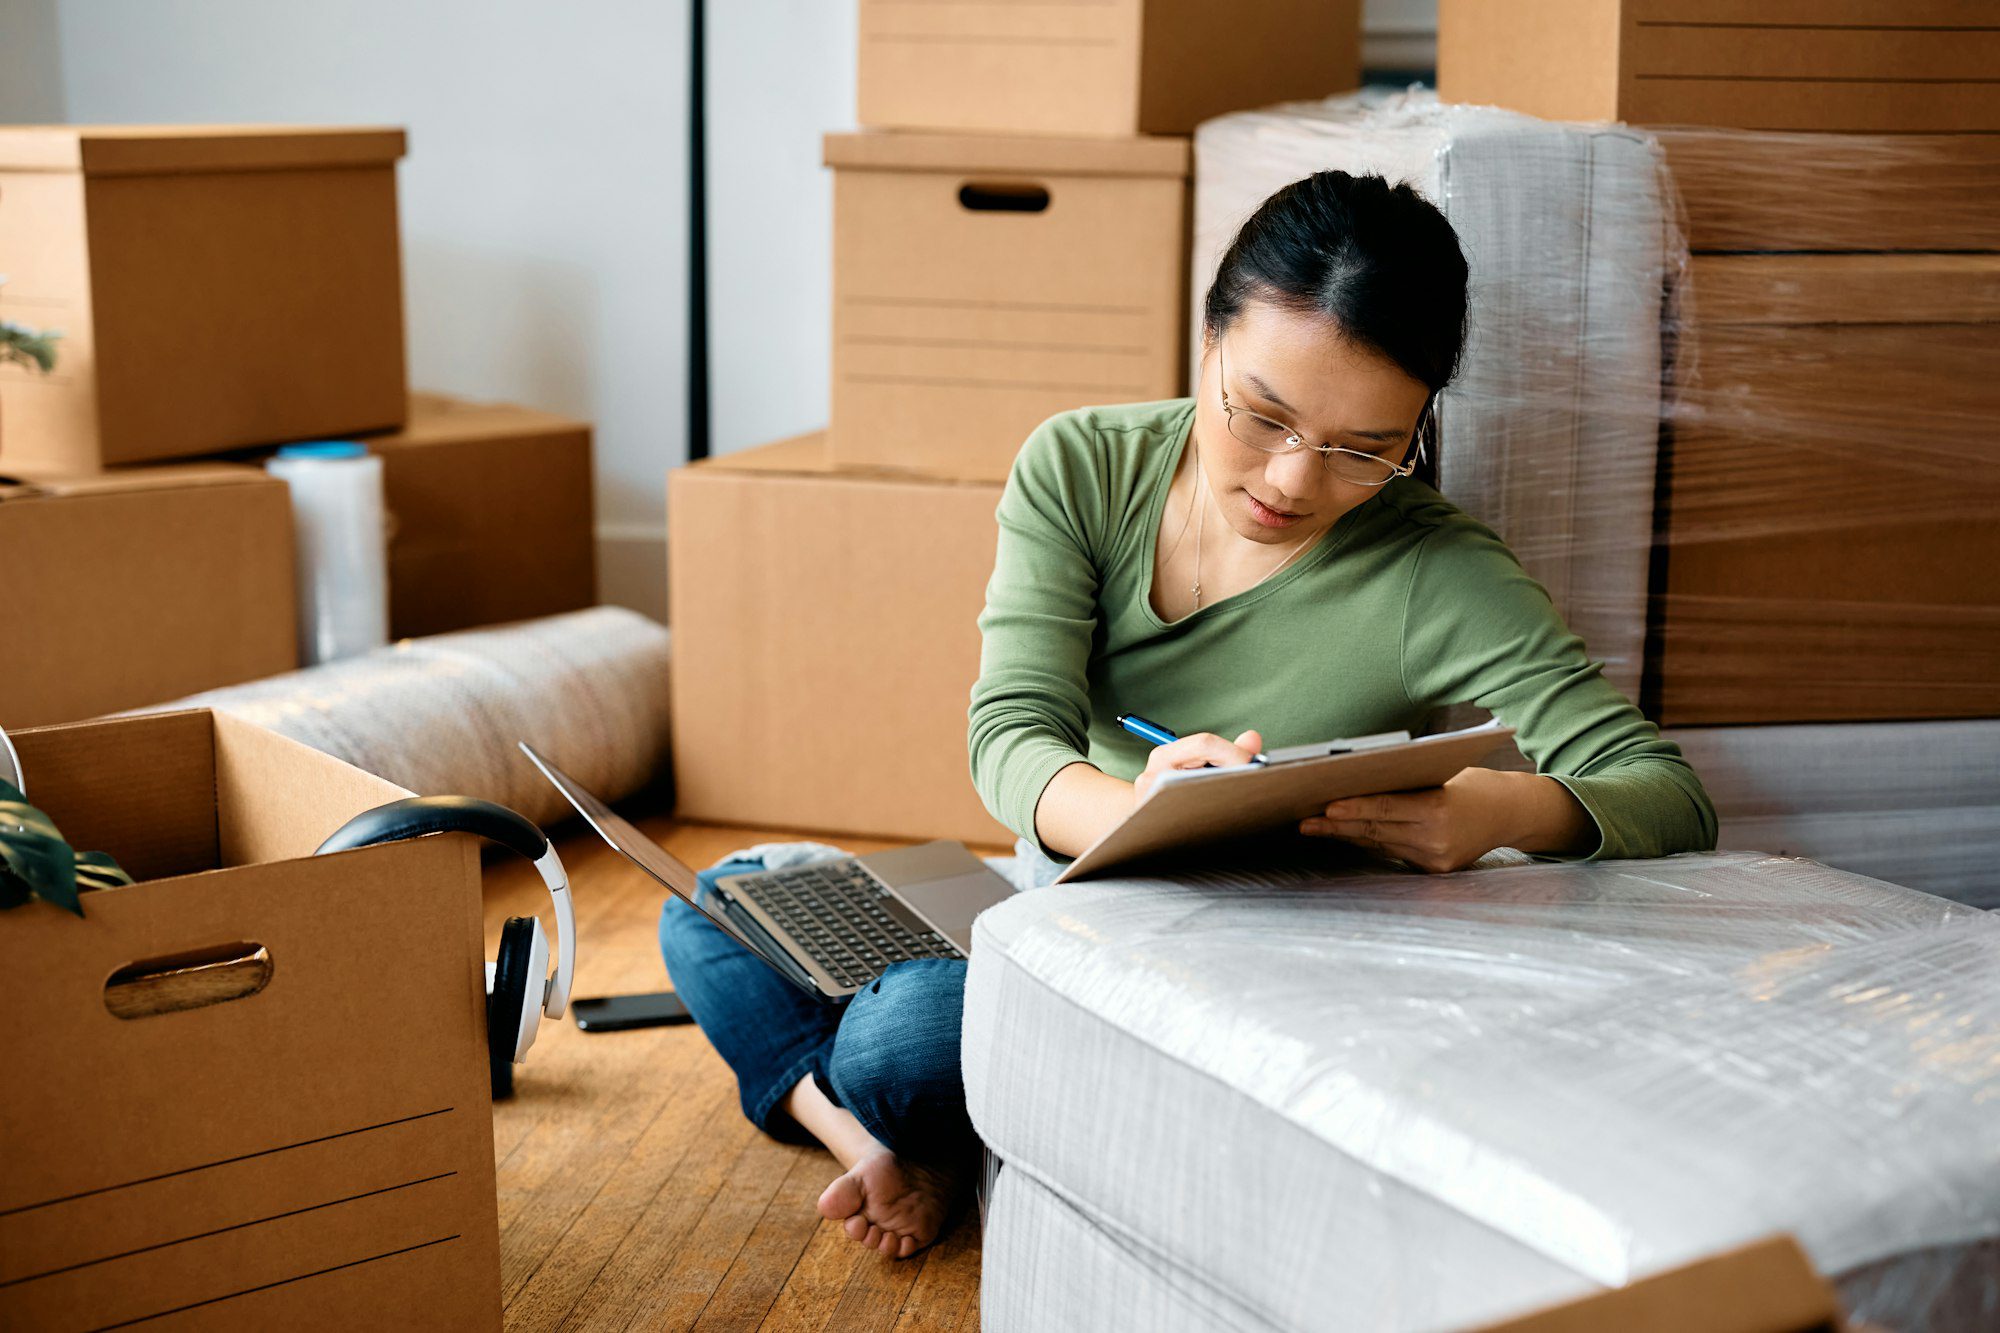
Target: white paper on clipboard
[1193, 806]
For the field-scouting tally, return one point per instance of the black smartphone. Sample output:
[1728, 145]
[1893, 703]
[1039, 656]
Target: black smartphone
[616, 1013]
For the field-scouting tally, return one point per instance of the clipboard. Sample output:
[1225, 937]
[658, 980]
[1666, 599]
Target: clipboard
[1185, 809]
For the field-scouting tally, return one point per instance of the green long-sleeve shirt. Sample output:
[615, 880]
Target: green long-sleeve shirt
[1407, 605]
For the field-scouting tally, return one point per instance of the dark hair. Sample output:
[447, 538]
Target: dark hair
[1377, 259]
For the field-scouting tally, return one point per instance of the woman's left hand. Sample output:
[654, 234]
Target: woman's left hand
[1450, 827]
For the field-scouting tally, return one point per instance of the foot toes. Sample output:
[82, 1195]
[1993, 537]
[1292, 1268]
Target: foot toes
[843, 1198]
[907, 1248]
[857, 1227]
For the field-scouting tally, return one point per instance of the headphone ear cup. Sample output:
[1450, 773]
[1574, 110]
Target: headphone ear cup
[506, 1003]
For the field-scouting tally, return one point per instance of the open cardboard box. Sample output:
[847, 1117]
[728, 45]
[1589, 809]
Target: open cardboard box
[309, 1147]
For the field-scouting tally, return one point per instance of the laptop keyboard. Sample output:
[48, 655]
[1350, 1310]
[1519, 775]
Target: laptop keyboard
[839, 914]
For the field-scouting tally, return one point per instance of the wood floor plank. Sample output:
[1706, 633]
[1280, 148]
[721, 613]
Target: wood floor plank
[632, 1289]
[946, 1291]
[579, 1258]
[816, 1283]
[767, 1258]
[874, 1295]
[726, 1225]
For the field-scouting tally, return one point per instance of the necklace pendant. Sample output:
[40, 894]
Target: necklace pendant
[1197, 595]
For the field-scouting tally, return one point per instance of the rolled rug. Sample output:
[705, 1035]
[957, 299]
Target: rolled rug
[441, 715]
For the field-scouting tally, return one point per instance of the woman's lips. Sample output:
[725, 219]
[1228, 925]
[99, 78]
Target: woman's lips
[1269, 517]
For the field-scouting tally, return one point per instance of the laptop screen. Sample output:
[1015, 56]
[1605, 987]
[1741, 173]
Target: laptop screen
[648, 855]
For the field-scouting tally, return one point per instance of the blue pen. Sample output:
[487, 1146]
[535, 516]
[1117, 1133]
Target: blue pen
[1159, 735]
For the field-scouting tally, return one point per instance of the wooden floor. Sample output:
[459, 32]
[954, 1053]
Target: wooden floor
[633, 1194]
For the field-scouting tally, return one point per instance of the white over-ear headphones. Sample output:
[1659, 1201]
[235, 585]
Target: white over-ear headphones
[519, 986]
[10, 764]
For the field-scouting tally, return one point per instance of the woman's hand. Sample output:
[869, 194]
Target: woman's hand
[1201, 750]
[1450, 827]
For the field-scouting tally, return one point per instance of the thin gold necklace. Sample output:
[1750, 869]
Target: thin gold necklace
[1200, 521]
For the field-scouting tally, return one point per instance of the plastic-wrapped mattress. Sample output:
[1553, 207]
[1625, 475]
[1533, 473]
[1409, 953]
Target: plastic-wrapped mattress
[1550, 433]
[1416, 1102]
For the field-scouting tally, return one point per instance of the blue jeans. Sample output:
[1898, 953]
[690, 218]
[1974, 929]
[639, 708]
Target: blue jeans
[889, 1055]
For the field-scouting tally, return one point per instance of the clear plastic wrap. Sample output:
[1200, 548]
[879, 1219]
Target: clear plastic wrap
[1730, 397]
[441, 715]
[1550, 433]
[1432, 1101]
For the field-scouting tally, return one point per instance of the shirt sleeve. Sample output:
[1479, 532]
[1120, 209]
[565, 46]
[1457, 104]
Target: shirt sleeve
[1030, 713]
[1477, 629]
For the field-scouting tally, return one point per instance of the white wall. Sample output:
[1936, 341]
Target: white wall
[544, 198]
[30, 75]
[780, 75]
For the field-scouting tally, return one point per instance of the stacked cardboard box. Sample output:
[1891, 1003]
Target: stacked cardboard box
[1010, 241]
[218, 289]
[1851, 65]
[1828, 478]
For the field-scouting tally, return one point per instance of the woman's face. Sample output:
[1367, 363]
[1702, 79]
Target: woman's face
[1302, 372]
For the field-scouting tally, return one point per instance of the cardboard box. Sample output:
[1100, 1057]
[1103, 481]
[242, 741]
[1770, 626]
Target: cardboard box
[1768, 1286]
[314, 1151]
[1128, 67]
[982, 285]
[1918, 66]
[1832, 484]
[132, 588]
[1833, 192]
[217, 287]
[490, 515]
[825, 644]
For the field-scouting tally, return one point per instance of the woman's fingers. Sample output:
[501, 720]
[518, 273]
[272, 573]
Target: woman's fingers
[1411, 807]
[1204, 748]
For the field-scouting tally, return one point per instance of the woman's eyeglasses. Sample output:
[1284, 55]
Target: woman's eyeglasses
[1267, 436]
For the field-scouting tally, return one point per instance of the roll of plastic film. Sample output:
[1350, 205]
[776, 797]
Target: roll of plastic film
[343, 574]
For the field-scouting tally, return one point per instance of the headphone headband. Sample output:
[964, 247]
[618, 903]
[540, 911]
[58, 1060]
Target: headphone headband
[420, 816]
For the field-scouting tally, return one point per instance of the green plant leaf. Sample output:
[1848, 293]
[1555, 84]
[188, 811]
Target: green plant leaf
[33, 853]
[99, 870]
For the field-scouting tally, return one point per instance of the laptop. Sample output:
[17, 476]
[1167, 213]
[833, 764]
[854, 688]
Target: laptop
[829, 928]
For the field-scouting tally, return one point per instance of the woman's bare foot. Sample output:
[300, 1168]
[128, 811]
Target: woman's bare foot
[889, 1204]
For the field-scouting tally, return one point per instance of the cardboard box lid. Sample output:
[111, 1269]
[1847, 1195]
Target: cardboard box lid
[894, 150]
[436, 417]
[30, 483]
[159, 150]
[806, 456]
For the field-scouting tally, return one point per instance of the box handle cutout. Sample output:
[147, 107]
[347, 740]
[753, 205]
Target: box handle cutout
[1003, 197]
[191, 980]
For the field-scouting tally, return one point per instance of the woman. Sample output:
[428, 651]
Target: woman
[1256, 561]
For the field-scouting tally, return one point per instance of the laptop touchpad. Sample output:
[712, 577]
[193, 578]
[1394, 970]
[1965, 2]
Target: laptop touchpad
[950, 904]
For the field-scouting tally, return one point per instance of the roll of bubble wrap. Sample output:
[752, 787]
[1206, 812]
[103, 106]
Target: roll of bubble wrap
[441, 715]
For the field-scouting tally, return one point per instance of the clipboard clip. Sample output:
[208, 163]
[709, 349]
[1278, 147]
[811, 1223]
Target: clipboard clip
[1381, 740]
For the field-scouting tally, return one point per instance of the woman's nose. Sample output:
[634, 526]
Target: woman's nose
[1296, 475]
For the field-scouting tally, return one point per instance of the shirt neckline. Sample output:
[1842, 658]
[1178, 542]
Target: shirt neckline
[1149, 548]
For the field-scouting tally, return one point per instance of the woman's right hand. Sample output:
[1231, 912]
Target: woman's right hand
[1202, 750]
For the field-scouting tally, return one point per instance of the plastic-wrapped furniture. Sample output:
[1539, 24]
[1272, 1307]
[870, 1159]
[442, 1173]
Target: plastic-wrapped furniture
[1550, 433]
[1398, 1101]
